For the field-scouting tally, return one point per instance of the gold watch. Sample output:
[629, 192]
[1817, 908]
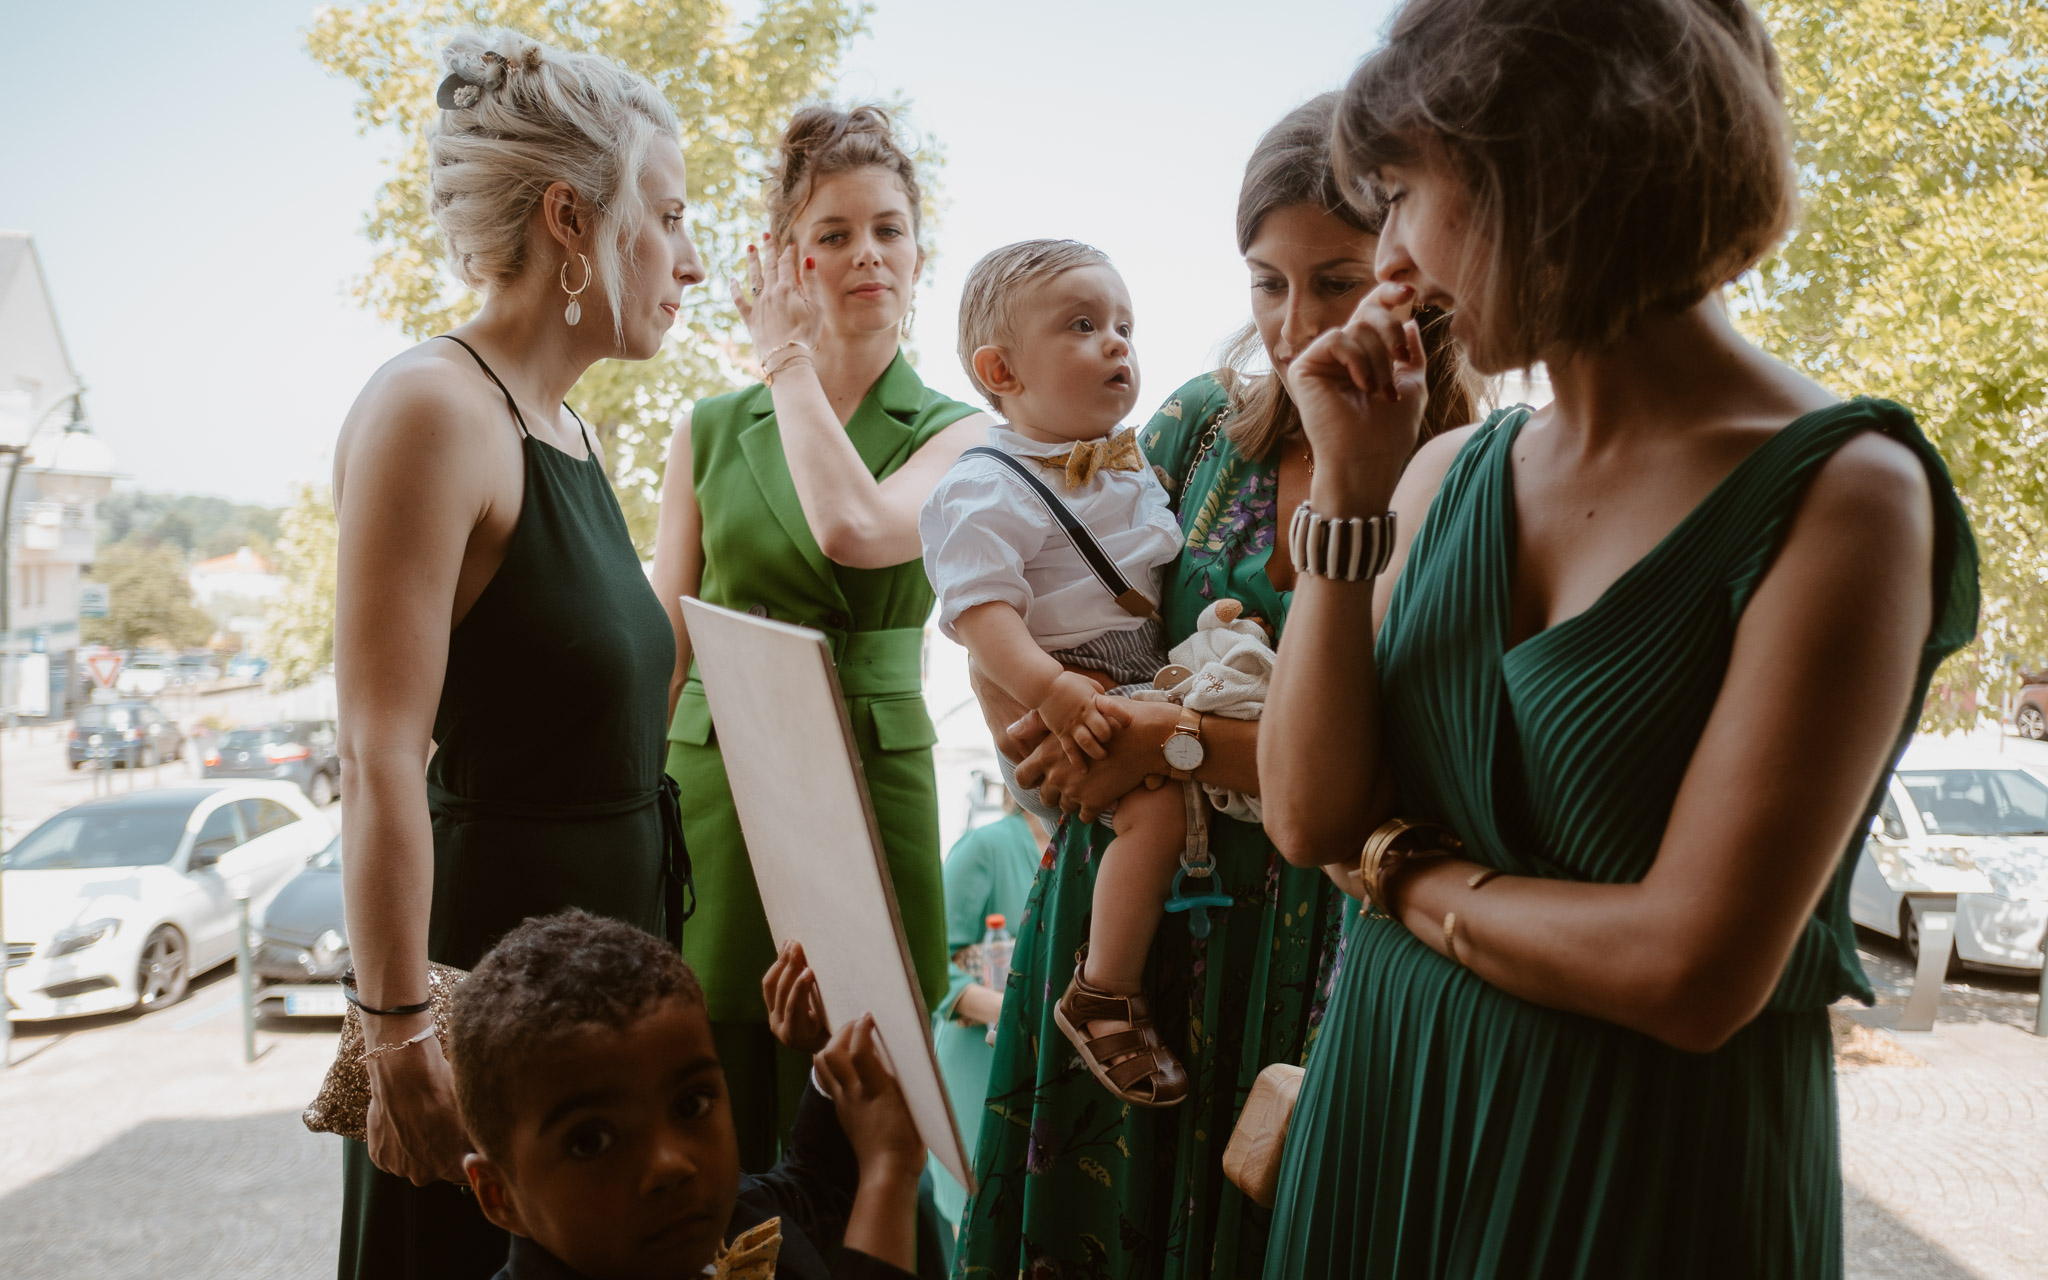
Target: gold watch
[1183, 750]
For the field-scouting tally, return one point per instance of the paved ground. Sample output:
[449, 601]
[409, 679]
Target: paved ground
[145, 1147]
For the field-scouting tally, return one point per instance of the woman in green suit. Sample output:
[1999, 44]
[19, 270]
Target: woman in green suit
[797, 499]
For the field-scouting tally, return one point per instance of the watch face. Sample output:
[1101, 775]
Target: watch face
[1183, 751]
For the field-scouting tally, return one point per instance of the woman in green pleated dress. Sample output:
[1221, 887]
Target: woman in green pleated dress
[1073, 1182]
[499, 658]
[797, 499]
[1647, 653]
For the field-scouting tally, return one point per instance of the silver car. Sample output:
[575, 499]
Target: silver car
[1973, 824]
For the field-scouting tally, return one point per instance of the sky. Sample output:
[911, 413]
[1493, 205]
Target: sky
[196, 187]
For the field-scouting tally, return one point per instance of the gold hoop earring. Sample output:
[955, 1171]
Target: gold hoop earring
[909, 321]
[574, 311]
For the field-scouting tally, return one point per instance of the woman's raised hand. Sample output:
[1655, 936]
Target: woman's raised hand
[1361, 389]
[776, 299]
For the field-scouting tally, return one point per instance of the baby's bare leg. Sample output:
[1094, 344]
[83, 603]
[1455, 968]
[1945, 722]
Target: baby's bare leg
[1132, 884]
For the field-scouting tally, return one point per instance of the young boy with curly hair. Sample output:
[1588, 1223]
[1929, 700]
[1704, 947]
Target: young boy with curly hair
[586, 1075]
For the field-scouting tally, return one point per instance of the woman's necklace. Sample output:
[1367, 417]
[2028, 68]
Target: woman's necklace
[1308, 455]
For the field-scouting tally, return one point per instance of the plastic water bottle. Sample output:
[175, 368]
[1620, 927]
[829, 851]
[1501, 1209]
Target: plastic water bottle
[996, 946]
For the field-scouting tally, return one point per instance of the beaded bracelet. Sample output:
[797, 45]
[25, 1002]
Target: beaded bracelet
[1353, 550]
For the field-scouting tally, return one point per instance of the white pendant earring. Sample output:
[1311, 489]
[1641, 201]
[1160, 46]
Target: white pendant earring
[574, 311]
[909, 320]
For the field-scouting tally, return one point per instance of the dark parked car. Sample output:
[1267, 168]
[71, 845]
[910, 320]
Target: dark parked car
[301, 942]
[297, 751]
[118, 734]
[2031, 716]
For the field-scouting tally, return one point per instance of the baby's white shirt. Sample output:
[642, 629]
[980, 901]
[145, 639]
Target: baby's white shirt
[987, 537]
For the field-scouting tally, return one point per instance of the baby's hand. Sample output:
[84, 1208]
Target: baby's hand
[796, 1012]
[1074, 710]
[855, 1075]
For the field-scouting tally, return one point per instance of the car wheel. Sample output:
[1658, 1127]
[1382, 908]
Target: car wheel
[2031, 723]
[163, 973]
[320, 790]
[1909, 937]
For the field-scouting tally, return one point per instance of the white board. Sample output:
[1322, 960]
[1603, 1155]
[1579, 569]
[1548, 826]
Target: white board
[817, 853]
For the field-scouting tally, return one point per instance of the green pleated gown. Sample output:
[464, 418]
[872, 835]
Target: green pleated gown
[1448, 1129]
[760, 557]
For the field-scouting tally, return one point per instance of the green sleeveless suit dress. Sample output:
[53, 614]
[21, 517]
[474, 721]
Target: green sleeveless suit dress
[545, 791]
[760, 557]
[1447, 1128]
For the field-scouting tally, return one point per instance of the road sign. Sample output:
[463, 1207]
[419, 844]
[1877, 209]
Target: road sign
[93, 599]
[104, 667]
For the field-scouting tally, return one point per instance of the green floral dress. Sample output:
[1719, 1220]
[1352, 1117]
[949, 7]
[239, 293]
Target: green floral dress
[1075, 1183]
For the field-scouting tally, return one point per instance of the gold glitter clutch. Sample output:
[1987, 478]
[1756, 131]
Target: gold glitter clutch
[343, 1104]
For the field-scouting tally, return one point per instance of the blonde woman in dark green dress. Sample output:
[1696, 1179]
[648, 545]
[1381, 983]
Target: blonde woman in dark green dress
[1647, 652]
[1074, 1183]
[797, 499]
[500, 659]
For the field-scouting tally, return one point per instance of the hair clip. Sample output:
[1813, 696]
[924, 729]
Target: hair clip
[457, 94]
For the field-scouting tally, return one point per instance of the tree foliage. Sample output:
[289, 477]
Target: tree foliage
[733, 85]
[203, 527]
[299, 637]
[149, 598]
[1920, 268]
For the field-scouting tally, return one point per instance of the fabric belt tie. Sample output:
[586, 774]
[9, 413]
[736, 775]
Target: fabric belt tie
[872, 664]
[679, 888]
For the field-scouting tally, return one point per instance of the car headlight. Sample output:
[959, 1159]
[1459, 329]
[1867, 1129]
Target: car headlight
[79, 937]
[327, 946]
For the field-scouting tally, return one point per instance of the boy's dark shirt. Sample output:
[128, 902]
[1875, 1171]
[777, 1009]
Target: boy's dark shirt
[811, 1191]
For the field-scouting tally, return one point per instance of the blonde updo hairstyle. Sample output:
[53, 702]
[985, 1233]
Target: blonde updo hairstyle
[823, 140]
[526, 116]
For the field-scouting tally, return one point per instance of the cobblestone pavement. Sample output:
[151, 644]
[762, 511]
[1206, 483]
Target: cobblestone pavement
[1945, 1135]
[137, 1148]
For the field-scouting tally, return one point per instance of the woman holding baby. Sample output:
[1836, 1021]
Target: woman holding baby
[1071, 1178]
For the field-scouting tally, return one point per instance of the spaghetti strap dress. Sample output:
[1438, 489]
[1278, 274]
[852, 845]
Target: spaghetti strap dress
[1447, 1128]
[546, 792]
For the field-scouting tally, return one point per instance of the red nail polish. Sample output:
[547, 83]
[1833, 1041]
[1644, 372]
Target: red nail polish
[810, 264]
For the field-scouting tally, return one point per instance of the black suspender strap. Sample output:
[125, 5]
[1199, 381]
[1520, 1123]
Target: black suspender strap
[1129, 598]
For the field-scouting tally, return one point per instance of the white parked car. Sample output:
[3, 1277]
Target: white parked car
[142, 679]
[1970, 823]
[117, 903]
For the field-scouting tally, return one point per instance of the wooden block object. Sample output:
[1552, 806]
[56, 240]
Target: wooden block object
[811, 833]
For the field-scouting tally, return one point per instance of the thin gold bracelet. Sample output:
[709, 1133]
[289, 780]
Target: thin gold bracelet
[1451, 938]
[769, 375]
[395, 1046]
[1482, 877]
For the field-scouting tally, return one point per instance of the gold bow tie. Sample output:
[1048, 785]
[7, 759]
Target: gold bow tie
[751, 1255]
[1117, 453]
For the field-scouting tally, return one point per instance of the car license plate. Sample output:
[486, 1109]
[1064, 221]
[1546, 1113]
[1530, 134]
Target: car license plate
[315, 1004]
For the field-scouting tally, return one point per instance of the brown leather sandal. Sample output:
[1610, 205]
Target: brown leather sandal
[1135, 1065]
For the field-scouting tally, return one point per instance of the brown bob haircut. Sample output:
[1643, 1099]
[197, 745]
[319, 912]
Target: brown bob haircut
[1620, 157]
[1292, 166]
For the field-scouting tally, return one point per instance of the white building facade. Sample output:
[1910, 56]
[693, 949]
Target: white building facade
[62, 474]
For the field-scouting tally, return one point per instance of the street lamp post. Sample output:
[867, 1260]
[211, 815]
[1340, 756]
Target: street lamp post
[15, 433]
